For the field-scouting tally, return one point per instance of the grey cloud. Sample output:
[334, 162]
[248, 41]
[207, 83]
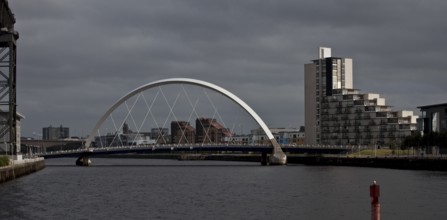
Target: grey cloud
[77, 57]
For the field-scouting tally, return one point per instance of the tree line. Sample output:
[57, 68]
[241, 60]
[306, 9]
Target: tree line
[431, 139]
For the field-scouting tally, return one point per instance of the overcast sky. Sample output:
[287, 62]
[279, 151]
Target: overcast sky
[76, 58]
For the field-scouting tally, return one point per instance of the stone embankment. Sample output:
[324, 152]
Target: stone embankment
[407, 163]
[21, 168]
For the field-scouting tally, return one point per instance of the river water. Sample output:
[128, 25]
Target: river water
[170, 189]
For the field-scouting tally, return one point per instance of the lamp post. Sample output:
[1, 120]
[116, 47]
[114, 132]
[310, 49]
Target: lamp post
[375, 148]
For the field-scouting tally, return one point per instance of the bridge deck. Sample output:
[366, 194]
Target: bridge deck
[193, 149]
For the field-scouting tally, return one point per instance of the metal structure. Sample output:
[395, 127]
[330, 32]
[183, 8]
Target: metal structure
[8, 104]
[192, 149]
[277, 157]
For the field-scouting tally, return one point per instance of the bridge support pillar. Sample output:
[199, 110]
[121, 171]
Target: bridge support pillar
[83, 160]
[278, 157]
[264, 159]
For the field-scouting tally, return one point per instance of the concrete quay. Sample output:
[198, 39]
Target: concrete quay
[405, 163]
[21, 168]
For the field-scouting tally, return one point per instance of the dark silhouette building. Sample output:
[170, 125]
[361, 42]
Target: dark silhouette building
[160, 135]
[433, 118]
[55, 133]
[208, 130]
[182, 133]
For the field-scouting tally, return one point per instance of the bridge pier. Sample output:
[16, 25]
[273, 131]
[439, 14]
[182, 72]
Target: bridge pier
[83, 160]
[278, 157]
[264, 159]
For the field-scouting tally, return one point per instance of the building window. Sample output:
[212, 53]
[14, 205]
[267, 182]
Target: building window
[435, 122]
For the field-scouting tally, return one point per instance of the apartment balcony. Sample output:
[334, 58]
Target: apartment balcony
[372, 103]
[392, 115]
[325, 124]
[346, 124]
[383, 108]
[393, 120]
[370, 108]
[404, 121]
[347, 97]
[359, 102]
[349, 104]
[405, 126]
[381, 114]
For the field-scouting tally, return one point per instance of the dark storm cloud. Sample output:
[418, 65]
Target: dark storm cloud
[77, 57]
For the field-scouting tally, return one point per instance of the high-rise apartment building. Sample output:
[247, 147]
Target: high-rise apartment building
[338, 114]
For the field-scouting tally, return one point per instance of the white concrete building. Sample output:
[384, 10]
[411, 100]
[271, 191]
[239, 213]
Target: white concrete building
[282, 135]
[338, 114]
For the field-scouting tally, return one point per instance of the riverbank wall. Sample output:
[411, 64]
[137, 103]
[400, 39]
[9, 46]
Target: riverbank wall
[221, 157]
[405, 163]
[21, 168]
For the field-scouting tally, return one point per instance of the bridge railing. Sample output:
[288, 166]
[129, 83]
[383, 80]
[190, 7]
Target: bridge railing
[191, 147]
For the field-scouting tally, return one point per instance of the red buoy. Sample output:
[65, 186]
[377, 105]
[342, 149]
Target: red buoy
[374, 192]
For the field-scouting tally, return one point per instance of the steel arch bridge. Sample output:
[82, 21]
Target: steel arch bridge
[277, 158]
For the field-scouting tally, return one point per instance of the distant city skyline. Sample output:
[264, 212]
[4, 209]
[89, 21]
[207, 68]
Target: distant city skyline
[76, 58]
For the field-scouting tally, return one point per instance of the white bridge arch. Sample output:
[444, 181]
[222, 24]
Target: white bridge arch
[278, 156]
